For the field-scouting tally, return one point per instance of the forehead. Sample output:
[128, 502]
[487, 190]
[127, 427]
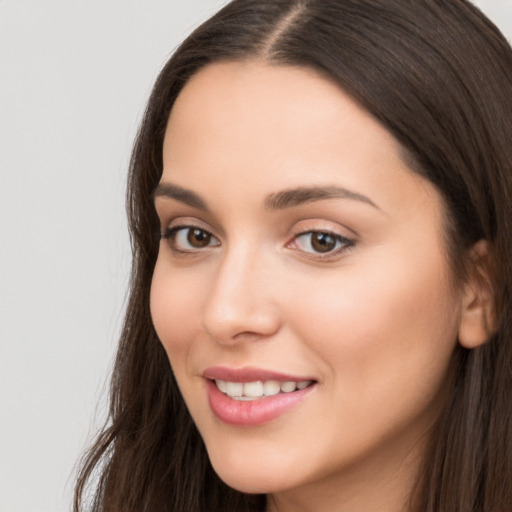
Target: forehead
[257, 127]
[267, 99]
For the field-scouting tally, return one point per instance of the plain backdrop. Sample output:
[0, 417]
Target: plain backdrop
[74, 77]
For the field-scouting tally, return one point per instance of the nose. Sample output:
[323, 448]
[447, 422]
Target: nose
[242, 304]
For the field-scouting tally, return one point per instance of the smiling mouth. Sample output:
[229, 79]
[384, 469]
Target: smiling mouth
[247, 391]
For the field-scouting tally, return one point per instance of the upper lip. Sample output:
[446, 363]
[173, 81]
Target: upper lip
[250, 374]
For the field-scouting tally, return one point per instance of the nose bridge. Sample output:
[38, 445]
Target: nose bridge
[240, 304]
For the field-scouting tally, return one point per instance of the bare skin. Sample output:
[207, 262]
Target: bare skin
[344, 281]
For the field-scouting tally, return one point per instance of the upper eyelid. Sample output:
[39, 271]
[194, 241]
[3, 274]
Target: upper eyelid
[324, 226]
[180, 227]
[337, 236]
[171, 222]
[329, 231]
[168, 214]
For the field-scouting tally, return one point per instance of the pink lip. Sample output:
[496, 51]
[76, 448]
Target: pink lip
[254, 412]
[249, 374]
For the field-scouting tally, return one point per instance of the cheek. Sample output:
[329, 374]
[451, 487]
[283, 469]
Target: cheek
[382, 328]
[174, 303]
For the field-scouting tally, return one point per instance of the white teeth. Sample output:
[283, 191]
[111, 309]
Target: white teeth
[288, 387]
[258, 389]
[253, 389]
[234, 389]
[271, 387]
[221, 384]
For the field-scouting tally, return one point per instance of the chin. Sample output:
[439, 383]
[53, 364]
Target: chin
[249, 484]
[249, 477]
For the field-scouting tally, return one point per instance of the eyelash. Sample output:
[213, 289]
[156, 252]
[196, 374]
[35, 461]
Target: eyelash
[342, 243]
[171, 234]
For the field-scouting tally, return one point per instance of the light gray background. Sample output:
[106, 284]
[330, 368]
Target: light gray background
[74, 76]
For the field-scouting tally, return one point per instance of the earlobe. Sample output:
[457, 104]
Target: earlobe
[478, 319]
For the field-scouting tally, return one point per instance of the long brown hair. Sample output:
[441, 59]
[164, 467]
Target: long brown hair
[438, 75]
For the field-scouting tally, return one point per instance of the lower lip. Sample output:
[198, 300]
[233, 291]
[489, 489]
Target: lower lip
[251, 413]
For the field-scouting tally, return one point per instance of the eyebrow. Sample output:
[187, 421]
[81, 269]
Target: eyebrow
[180, 194]
[301, 195]
[276, 201]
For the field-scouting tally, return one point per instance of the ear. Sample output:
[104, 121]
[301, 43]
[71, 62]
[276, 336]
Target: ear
[478, 319]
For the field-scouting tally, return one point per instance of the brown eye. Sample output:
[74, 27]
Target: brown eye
[198, 238]
[189, 238]
[322, 242]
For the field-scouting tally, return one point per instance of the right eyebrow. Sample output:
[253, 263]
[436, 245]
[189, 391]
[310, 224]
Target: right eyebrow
[180, 194]
[302, 195]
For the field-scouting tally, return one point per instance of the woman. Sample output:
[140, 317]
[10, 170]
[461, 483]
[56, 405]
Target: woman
[320, 297]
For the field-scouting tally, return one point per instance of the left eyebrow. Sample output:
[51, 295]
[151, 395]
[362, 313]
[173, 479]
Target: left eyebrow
[180, 194]
[301, 195]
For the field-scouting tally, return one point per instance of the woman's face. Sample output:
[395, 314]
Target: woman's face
[303, 266]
